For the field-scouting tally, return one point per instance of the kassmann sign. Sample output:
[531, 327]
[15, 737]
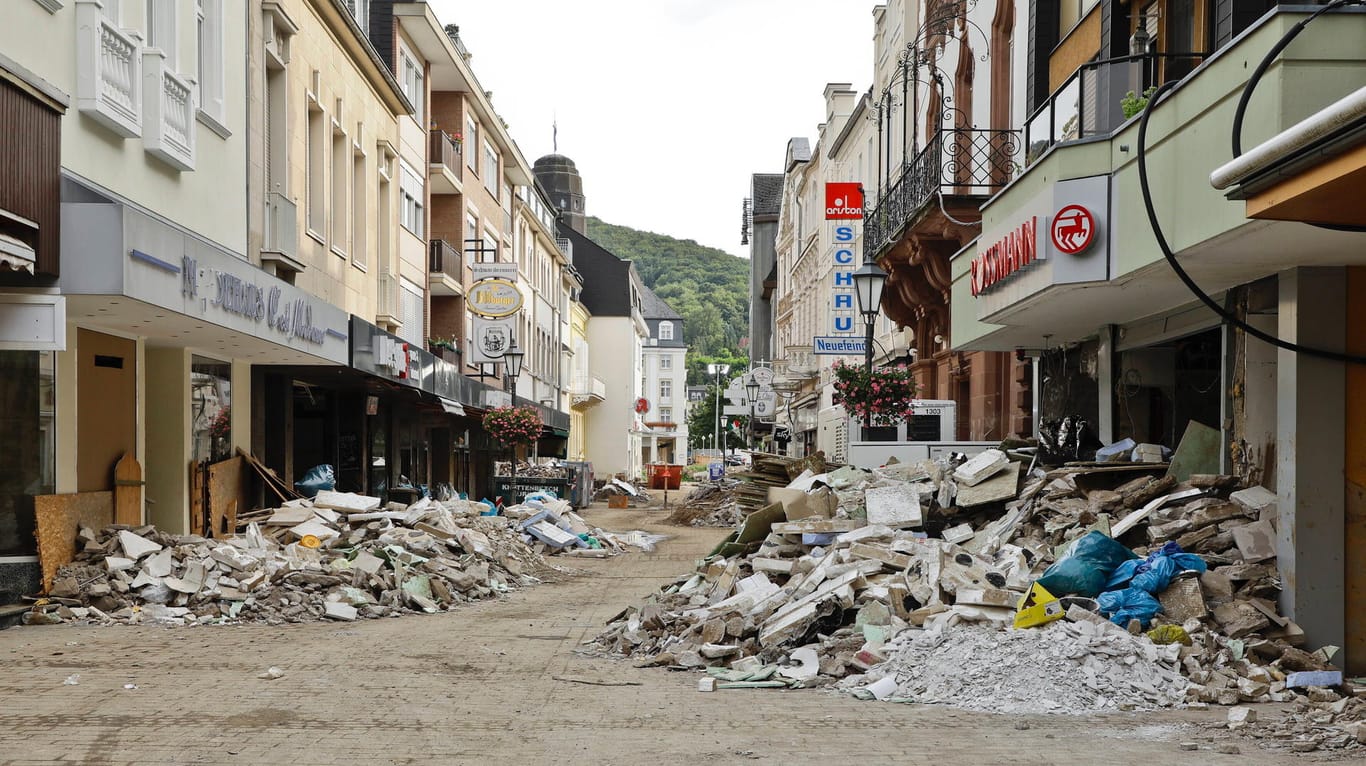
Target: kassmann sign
[1013, 252]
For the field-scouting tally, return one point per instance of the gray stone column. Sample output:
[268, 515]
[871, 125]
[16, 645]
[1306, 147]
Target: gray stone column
[1310, 460]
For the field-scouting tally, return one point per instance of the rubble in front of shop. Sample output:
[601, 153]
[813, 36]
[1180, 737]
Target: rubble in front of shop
[340, 556]
[708, 505]
[926, 582]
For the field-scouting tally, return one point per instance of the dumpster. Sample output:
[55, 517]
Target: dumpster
[665, 476]
[526, 485]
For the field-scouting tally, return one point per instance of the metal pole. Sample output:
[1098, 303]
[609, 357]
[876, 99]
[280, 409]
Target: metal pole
[868, 320]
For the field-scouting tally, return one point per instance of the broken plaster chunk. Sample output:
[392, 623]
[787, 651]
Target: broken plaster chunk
[339, 611]
[883, 688]
[894, 506]
[958, 534]
[136, 546]
[1255, 541]
[981, 467]
[807, 664]
[1241, 716]
[118, 563]
[346, 502]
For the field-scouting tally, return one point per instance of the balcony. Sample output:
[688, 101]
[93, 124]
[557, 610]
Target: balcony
[1089, 103]
[109, 71]
[281, 236]
[387, 310]
[445, 269]
[588, 391]
[443, 163]
[959, 162]
[168, 111]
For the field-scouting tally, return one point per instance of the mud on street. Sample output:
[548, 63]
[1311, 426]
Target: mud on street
[498, 682]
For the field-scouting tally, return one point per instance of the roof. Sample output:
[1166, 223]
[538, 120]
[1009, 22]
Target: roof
[767, 192]
[654, 307]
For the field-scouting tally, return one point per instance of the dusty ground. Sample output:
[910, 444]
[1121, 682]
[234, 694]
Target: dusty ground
[498, 683]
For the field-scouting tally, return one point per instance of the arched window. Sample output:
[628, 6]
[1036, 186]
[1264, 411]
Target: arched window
[666, 330]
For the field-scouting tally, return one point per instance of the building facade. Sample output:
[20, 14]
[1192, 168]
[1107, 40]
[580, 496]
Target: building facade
[1068, 266]
[666, 379]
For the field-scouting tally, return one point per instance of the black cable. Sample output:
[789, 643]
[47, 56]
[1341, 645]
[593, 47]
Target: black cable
[1227, 316]
[1256, 77]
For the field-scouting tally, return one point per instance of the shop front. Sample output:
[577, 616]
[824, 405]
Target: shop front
[163, 328]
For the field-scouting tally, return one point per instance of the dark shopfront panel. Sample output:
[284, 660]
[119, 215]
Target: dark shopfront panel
[383, 439]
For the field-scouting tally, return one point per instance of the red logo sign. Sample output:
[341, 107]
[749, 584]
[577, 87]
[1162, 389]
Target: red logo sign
[843, 201]
[1014, 252]
[1073, 229]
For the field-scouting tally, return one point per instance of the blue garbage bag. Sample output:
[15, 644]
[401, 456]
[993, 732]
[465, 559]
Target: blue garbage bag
[1131, 603]
[1154, 573]
[1086, 567]
[318, 478]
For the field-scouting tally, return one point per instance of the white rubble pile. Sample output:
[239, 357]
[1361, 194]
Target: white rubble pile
[340, 556]
[1064, 667]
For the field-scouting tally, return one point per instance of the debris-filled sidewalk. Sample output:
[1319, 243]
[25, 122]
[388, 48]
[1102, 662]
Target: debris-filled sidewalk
[340, 556]
[995, 585]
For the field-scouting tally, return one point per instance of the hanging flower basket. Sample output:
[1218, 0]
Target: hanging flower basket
[883, 396]
[513, 425]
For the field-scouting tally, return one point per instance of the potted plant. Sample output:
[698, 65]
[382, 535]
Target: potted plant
[881, 396]
[446, 348]
[513, 426]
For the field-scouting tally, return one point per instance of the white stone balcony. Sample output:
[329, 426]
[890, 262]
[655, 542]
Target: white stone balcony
[587, 392]
[168, 112]
[109, 78]
[387, 313]
[280, 243]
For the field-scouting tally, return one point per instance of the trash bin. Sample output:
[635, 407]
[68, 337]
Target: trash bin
[665, 476]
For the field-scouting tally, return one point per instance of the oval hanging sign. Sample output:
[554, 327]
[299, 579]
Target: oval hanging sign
[495, 298]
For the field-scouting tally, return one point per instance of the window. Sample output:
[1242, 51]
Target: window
[161, 29]
[666, 414]
[317, 149]
[383, 215]
[666, 363]
[211, 67]
[666, 330]
[341, 190]
[359, 182]
[410, 199]
[490, 243]
[471, 237]
[360, 10]
[489, 170]
[410, 80]
[666, 391]
[471, 140]
[211, 409]
[410, 312]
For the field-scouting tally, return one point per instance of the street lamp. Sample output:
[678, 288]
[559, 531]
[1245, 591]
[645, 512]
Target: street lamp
[752, 393]
[716, 371]
[512, 365]
[868, 283]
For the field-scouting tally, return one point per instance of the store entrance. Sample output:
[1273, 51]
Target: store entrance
[1160, 389]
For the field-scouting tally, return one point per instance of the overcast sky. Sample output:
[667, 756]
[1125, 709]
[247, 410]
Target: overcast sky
[666, 106]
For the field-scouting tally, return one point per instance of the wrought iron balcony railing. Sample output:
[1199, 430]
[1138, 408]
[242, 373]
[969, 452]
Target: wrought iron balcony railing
[957, 161]
[1090, 103]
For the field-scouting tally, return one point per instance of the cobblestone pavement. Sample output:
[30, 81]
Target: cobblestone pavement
[496, 683]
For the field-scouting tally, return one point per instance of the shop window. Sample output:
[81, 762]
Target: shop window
[1162, 388]
[28, 399]
[211, 409]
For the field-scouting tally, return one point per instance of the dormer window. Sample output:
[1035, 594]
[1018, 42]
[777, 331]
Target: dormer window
[666, 330]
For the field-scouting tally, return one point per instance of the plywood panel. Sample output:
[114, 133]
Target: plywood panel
[106, 407]
[227, 491]
[59, 518]
[128, 491]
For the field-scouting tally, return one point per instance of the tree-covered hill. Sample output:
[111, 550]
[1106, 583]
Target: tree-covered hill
[708, 287]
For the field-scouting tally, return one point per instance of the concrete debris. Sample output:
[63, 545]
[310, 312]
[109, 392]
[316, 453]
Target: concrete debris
[308, 562]
[882, 600]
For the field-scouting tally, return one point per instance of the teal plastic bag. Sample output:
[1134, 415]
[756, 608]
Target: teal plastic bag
[1086, 567]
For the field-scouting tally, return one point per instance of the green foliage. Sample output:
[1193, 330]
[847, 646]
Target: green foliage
[1132, 103]
[702, 421]
[709, 288]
